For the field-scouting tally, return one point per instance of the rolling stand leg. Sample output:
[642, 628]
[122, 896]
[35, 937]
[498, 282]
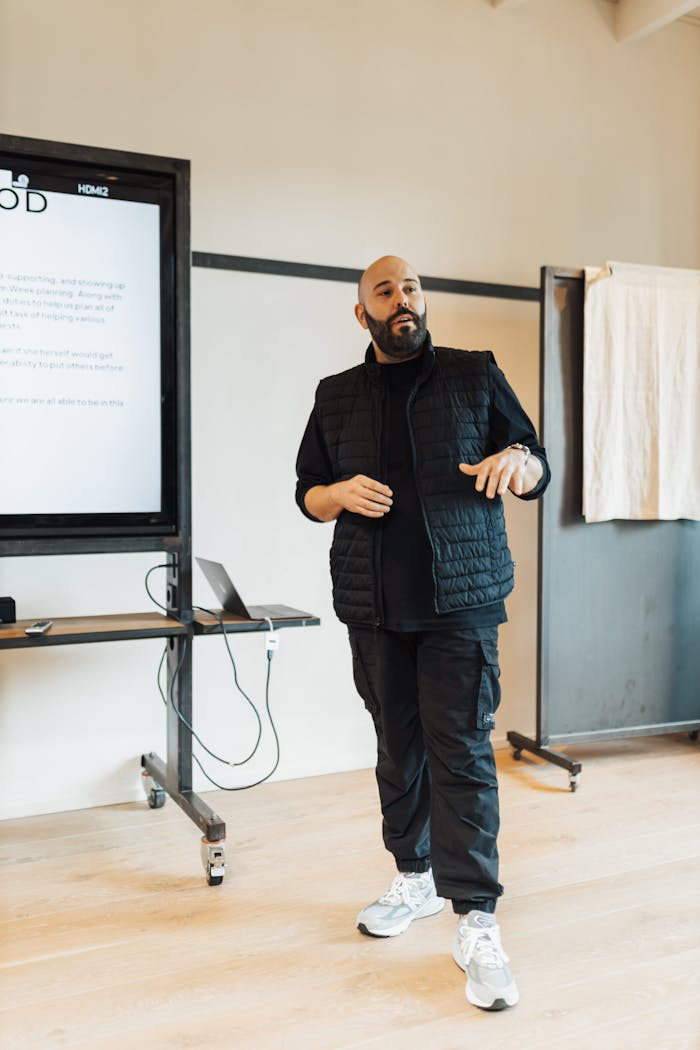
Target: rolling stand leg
[203, 816]
[175, 777]
[521, 743]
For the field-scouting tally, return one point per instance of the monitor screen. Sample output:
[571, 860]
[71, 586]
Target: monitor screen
[87, 413]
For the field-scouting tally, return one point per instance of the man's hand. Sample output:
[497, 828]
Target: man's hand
[505, 470]
[359, 495]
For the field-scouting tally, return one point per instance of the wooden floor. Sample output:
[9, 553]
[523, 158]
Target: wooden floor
[112, 939]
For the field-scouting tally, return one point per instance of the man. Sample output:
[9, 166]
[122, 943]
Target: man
[410, 453]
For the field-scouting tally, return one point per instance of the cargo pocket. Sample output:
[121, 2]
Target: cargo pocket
[489, 688]
[362, 680]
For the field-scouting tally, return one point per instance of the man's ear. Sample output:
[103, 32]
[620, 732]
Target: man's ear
[360, 315]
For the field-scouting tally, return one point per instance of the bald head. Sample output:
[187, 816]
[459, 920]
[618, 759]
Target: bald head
[388, 268]
[392, 307]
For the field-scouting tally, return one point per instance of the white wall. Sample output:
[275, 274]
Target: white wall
[479, 144]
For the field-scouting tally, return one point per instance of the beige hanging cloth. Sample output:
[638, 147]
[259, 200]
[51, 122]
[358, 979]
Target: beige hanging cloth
[641, 393]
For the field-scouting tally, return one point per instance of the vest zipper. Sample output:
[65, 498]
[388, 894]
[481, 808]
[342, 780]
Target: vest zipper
[409, 405]
[379, 531]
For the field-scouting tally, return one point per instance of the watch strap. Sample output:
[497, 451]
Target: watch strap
[522, 448]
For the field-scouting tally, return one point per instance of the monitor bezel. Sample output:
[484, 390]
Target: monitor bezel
[169, 177]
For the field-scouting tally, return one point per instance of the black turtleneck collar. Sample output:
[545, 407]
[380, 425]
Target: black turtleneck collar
[374, 369]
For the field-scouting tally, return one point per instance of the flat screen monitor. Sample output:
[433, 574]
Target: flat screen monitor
[88, 357]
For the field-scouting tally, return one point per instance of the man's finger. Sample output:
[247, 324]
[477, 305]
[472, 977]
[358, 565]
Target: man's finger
[504, 481]
[516, 482]
[482, 477]
[373, 485]
[372, 510]
[370, 504]
[374, 496]
[492, 486]
[468, 468]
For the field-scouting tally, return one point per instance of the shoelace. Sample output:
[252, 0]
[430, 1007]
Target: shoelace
[403, 891]
[482, 943]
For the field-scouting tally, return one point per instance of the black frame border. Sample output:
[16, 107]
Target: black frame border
[179, 171]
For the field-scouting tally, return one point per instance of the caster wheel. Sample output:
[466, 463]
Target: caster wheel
[573, 783]
[214, 861]
[156, 798]
[517, 755]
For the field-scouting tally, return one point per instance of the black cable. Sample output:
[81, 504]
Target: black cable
[222, 787]
[219, 619]
[160, 668]
[240, 689]
[184, 721]
[163, 607]
[245, 787]
[178, 712]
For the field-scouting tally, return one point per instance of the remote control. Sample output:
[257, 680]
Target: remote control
[39, 627]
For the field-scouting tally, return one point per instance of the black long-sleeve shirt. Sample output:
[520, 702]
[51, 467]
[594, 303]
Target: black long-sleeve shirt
[406, 554]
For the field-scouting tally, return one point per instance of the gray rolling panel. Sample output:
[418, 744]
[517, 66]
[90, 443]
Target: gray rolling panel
[619, 602]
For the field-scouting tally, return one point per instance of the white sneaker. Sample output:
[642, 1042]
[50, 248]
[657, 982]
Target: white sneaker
[410, 896]
[478, 951]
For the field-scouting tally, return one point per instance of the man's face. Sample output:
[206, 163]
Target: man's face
[392, 307]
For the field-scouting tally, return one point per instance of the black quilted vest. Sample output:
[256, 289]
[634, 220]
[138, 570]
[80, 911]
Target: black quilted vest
[449, 411]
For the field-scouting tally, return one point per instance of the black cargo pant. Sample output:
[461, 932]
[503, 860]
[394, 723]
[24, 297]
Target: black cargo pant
[432, 696]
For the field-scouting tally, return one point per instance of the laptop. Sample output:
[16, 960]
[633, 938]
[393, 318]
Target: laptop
[231, 601]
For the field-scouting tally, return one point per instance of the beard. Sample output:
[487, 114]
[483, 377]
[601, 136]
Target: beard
[402, 342]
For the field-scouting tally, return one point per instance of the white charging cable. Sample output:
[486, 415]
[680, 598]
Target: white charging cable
[271, 643]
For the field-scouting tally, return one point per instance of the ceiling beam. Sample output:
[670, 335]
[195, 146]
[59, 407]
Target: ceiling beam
[638, 18]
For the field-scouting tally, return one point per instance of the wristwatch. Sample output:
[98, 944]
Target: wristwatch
[522, 448]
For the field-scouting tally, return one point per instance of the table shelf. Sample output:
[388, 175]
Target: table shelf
[77, 630]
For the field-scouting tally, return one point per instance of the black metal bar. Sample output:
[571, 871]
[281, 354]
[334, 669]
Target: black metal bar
[183, 256]
[178, 772]
[523, 743]
[543, 568]
[519, 742]
[283, 268]
[179, 588]
[38, 149]
[179, 695]
[198, 811]
[625, 732]
[481, 288]
[16, 548]
[276, 267]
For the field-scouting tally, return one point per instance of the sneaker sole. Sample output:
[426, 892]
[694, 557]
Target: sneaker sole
[510, 996]
[431, 907]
